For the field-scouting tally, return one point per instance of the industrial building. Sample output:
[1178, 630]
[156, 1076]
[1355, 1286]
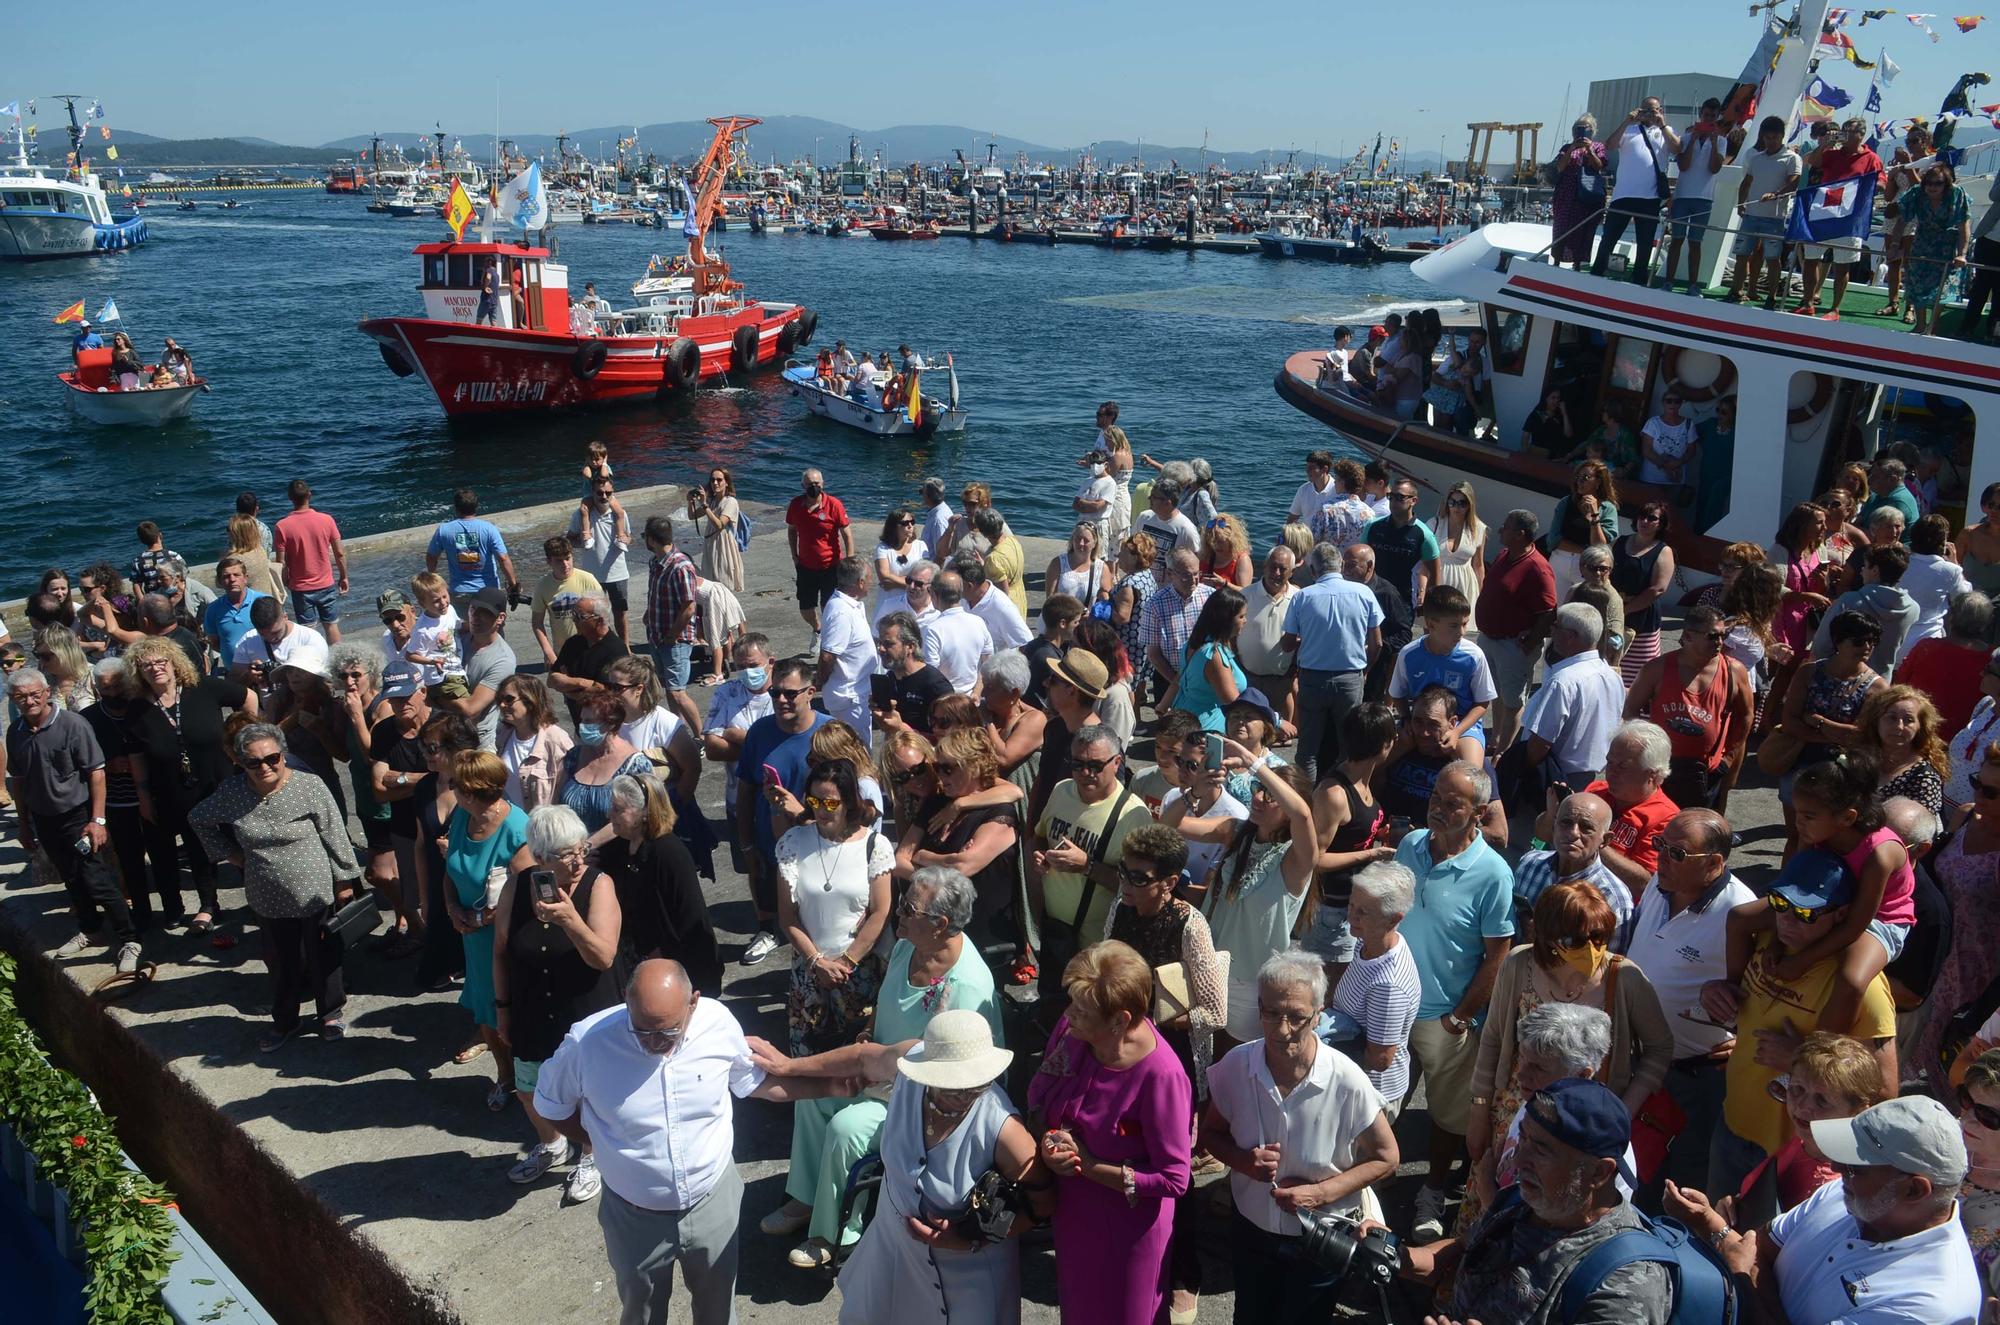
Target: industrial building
[1680, 97]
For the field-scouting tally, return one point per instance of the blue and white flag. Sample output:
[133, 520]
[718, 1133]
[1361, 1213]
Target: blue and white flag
[523, 201]
[1843, 209]
[690, 224]
[11, 108]
[1873, 105]
[110, 312]
[96, 110]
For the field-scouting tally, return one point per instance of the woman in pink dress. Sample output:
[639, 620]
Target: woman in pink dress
[1112, 1103]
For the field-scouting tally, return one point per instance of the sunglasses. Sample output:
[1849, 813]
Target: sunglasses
[1715, 636]
[1459, 503]
[1780, 904]
[1680, 855]
[272, 760]
[1574, 942]
[917, 584]
[1092, 767]
[907, 911]
[790, 695]
[1187, 765]
[1987, 1116]
[825, 804]
[1138, 878]
[902, 775]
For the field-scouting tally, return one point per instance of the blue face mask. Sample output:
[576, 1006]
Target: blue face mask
[756, 677]
[589, 733]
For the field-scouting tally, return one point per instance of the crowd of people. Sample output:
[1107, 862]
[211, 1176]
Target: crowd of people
[1437, 810]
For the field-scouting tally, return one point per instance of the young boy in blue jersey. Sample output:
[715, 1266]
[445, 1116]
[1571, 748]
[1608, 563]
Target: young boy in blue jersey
[1443, 656]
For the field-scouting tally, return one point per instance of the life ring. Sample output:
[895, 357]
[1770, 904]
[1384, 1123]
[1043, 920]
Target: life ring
[1822, 395]
[1721, 385]
[743, 350]
[398, 364]
[788, 337]
[588, 360]
[681, 369]
[808, 324]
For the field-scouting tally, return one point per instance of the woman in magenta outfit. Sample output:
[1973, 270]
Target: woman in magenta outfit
[1113, 1103]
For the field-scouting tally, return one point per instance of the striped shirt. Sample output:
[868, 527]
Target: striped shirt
[669, 588]
[1536, 874]
[1168, 619]
[1381, 994]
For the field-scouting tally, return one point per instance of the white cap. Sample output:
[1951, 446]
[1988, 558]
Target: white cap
[308, 655]
[1913, 1133]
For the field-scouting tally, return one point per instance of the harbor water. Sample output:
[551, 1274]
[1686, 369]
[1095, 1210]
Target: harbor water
[266, 298]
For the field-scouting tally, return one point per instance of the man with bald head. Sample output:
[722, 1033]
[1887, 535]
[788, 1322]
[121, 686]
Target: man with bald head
[1582, 822]
[1680, 939]
[1357, 563]
[649, 1084]
[1167, 618]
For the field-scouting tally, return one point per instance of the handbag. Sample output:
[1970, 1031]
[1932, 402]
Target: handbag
[1780, 750]
[991, 1208]
[1172, 996]
[354, 921]
[1445, 400]
[1659, 1120]
[1662, 189]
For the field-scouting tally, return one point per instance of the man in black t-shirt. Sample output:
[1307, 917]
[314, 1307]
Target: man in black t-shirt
[914, 685]
[1406, 551]
[579, 667]
[396, 754]
[1060, 613]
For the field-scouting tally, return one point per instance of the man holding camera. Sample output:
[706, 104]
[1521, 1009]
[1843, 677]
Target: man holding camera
[1638, 149]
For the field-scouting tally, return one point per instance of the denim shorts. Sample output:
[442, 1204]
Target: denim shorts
[1891, 937]
[1766, 230]
[314, 605]
[674, 662]
[1689, 218]
[1330, 939]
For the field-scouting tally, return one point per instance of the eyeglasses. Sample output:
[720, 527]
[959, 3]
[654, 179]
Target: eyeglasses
[825, 804]
[905, 522]
[906, 910]
[620, 687]
[899, 776]
[1457, 502]
[791, 695]
[1573, 942]
[1260, 792]
[1987, 1115]
[272, 760]
[1139, 878]
[659, 1041]
[1806, 914]
[1680, 855]
[1285, 1021]
[1090, 768]
[1402, 496]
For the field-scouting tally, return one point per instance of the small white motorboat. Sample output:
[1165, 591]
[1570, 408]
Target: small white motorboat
[873, 414]
[95, 394]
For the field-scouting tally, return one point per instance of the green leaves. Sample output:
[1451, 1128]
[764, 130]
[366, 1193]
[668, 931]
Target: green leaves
[127, 1229]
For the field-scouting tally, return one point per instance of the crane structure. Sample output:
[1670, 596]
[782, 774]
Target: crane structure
[1477, 159]
[711, 274]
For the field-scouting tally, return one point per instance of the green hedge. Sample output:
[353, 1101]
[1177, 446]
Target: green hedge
[127, 1231]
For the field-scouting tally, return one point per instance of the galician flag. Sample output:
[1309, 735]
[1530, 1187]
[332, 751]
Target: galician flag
[457, 208]
[1840, 210]
[523, 202]
[74, 313]
[109, 313]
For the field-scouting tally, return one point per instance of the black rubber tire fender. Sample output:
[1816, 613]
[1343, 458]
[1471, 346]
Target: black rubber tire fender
[588, 361]
[743, 350]
[682, 367]
[808, 324]
[399, 364]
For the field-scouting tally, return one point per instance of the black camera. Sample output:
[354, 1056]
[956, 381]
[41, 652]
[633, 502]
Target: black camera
[1336, 1244]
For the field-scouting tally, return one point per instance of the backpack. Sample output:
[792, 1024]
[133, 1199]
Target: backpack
[1703, 1293]
[744, 531]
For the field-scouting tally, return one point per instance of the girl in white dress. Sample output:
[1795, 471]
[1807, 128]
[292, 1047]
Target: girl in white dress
[1461, 538]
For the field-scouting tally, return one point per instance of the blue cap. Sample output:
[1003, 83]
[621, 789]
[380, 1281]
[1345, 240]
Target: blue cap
[399, 680]
[1816, 878]
[1585, 1116]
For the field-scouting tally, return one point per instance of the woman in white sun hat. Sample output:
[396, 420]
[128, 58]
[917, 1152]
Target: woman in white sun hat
[924, 1257]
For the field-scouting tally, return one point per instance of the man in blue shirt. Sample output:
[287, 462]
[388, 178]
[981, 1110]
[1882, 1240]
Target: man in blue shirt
[86, 339]
[227, 620]
[1459, 931]
[1334, 628]
[781, 742]
[475, 554]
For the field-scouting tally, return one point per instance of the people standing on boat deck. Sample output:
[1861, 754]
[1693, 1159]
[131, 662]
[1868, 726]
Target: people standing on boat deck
[1639, 150]
[1578, 197]
[1940, 219]
[1701, 154]
[308, 543]
[1982, 295]
[1888, 488]
[1848, 157]
[1771, 173]
[1667, 446]
[84, 339]
[956, 641]
[1361, 364]
[816, 525]
[599, 532]
[489, 294]
[1334, 369]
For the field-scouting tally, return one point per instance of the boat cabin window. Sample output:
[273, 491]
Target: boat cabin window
[1507, 332]
[1834, 422]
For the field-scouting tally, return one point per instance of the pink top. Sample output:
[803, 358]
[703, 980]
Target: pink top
[304, 542]
[1789, 626]
[1899, 896]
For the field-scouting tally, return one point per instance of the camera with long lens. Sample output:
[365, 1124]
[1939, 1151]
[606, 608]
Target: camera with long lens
[1336, 1244]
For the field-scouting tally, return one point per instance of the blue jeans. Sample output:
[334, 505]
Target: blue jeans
[1325, 700]
[674, 662]
[310, 606]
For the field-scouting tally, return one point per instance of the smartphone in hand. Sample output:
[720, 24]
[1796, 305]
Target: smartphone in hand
[544, 884]
[881, 690]
[1212, 752]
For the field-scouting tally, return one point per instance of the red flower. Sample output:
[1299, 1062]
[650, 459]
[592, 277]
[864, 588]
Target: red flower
[79, 1141]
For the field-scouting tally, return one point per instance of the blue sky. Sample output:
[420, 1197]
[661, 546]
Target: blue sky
[1061, 74]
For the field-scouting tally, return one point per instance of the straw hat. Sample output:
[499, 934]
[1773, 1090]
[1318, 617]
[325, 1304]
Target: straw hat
[1084, 670]
[956, 1053]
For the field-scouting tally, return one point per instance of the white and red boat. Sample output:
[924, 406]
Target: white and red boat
[95, 394]
[537, 351]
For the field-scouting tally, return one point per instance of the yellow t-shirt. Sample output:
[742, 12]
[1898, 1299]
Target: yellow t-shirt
[555, 601]
[1748, 1107]
[1008, 562]
[1066, 816]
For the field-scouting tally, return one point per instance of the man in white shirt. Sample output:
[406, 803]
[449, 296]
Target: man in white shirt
[1569, 721]
[864, 378]
[1166, 526]
[1093, 499]
[1771, 172]
[937, 513]
[917, 582]
[1318, 489]
[1260, 646]
[1680, 939]
[957, 641]
[650, 1087]
[1639, 150]
[1003, 620]
[275, 641]
[1701, 155]
[847, 647]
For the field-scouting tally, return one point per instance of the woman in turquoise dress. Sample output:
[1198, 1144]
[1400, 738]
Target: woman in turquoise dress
[1940, 220]
[486, 843]
[1211, 678]
[931, 969]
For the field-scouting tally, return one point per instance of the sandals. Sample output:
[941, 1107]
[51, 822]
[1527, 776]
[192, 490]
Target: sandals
[1890, 309]
[201, 923]
[469, 1053]
[1809, 310]
[498, 1098]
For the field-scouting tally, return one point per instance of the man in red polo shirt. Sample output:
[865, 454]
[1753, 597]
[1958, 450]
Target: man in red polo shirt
[816, 525]
[1636, 765]
[1847, 157]
[1517, 607]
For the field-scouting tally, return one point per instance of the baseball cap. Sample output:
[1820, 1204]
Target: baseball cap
[1254, 697]
[1913, 1133]
[493, 598]
[399, 681]
[1378, 333]
[391, 600]
[1585, 1116]
[1815, 879]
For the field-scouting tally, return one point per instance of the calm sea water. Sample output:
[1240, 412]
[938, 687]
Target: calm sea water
[267, 299]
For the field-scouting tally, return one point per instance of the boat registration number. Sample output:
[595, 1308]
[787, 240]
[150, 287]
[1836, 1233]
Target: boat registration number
[487, 393]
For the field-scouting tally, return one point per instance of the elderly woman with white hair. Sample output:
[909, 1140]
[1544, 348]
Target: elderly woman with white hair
[555, 936]
[932, 969]
[663, 913]
[1552, 1041]
[1302, 1130]
[1379, 990]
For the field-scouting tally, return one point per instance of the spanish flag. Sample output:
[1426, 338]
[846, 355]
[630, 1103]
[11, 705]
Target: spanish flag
[915, 406]
[457, 209]
[74, 313]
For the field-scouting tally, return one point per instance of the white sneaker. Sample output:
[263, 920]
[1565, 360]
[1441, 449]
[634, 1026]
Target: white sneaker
[583, 1181]
[128, 959]
[761, 946]
[1428, 1223]
[76, 944]
[540, 1160]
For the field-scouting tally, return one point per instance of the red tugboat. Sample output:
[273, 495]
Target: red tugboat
[539, 351]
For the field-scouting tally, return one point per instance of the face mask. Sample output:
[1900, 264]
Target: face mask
[1584, 960]
[589, 733]
[756, 678]
[813, 489]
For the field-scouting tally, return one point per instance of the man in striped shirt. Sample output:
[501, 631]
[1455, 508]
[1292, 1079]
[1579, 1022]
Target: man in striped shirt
[1581, 823]
[670, 612]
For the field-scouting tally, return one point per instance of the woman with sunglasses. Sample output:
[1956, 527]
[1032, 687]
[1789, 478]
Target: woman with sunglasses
[717, 517]
[61, 658]
[1703, 698]
[1174, 938]
[833, 906]
[1641, 569]
[961, 828]
[555, 938]
[1080, 570]
[486, 844]
[283, 830]
[356, 671]
[1461, 539]
[932, 968]
[1669, 445]
[1225, 554]
[908, 761]
[1978, 1097]
[423, 924]
[533, 745]
[1938, 216]
[898, 550]
[1570, 961]
[1211, 677]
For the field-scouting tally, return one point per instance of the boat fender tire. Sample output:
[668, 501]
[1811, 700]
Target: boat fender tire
[398, 364]
[743, 350]
[588, 361]
[788, 338]
[926, 425]
[682, 369]
[808, 324]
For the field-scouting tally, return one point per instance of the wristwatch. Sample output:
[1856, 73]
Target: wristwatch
[402, 779]
[99, 821]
